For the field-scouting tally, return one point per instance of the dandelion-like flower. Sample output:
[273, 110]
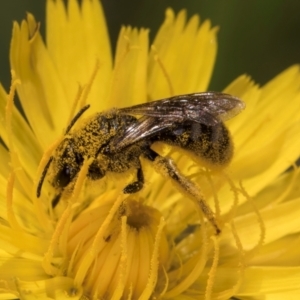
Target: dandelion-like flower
[95, 242]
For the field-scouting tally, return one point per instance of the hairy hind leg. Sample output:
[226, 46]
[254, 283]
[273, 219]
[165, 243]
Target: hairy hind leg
[168, 169]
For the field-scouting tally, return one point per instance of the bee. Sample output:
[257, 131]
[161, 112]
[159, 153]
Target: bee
[117, 139]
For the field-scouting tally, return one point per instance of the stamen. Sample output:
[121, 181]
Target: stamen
[60, 236]
[62, 225]
[213, 269]
[9, 203]
[215, 196]
[242, 258]
[153, 264]
[87, 88]
[80, 180]
[120, 59]
[166, 284]
[179, 270]
[231, 214]
[98, 244]
[163, 69]
[199, 264]
[123, 261]
[127, 49]
[73, 258]
[260, 222]
[82, 95]
[237, 239]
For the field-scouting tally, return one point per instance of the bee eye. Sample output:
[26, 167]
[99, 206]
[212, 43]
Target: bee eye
[64, 177]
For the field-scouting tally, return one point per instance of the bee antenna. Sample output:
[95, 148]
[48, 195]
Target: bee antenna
[41, 181]
[43, 176]
[78, 115]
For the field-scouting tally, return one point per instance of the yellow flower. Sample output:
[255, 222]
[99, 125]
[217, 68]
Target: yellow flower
[98, 243]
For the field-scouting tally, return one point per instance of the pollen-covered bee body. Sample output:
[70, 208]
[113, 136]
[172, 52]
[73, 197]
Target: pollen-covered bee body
[115, 140]
[210, 145]
[90, 140]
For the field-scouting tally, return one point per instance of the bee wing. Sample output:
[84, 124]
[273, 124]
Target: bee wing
[143, 128]
[207, 108]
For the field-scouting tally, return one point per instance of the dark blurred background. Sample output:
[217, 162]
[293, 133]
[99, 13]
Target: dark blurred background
[260, 38]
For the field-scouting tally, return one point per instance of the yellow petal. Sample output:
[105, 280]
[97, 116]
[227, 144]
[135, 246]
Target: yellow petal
[278, 221]
[129, 79]
[284, 250]
[264, 121]
[40, 91]
[268, 280]
[182, 56]
[244, 88]
[260, 167]
[24, 142]
[78, 41]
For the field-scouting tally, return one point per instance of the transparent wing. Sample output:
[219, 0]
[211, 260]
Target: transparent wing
[208, 108]
[143, 128]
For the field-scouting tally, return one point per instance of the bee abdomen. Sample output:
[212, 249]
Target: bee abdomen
[214, 145]
[211, 144]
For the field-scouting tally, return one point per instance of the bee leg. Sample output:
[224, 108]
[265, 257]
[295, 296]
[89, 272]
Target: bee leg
[167, 168]
[136, 185]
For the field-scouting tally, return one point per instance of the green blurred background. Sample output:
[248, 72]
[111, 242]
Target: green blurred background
[257, 37]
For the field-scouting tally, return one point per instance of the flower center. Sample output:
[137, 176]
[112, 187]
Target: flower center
[139, 215]
[117, 244]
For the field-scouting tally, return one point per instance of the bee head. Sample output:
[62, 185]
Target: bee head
[66, 163]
